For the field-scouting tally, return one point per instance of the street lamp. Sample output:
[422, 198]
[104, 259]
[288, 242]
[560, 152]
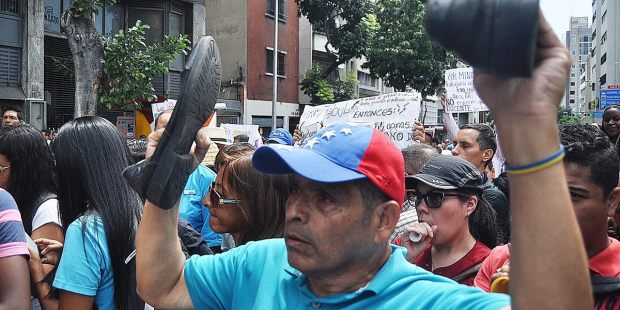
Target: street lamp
[276, 17]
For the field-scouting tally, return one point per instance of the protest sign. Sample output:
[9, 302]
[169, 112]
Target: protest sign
[251, 131]
[394, 114]
[460, 92]
[162, 106]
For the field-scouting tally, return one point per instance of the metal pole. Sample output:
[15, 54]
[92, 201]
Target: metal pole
[275, 66]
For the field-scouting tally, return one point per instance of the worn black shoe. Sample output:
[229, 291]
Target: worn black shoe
[162, 177]
[497, 36]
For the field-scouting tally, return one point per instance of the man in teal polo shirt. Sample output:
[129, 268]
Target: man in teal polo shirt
[348, 186]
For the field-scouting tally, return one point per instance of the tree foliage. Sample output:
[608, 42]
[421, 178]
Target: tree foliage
[566, 116]
[347, 24]
[323, 91]
[88, 7]
[113, 71]
[401, 53]
[130, 64]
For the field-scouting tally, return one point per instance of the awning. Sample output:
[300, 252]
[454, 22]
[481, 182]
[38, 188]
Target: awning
[11, 93]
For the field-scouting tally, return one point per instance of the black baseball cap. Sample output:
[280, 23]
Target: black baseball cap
[448, 172]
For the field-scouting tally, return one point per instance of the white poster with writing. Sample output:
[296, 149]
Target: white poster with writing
[394, 114]
[460, 92]
[251, 131]
[159, 107]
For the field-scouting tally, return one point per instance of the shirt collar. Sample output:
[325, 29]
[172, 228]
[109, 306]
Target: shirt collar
[391, 271]
[606, 263]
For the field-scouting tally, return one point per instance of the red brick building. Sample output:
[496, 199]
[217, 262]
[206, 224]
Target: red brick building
[244, 31]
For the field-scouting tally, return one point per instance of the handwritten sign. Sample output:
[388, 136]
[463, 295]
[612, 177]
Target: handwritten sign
[233, 130]
[393, 114]
[162, 106]
[461, 94]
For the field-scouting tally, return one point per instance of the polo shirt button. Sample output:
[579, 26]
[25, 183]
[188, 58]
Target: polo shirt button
[316, 305]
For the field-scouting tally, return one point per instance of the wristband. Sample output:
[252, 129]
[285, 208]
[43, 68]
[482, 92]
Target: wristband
[539, 165]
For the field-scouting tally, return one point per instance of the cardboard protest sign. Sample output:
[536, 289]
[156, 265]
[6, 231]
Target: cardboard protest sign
[394, 114]
[251, 131]
[162, 106]
[461, 94]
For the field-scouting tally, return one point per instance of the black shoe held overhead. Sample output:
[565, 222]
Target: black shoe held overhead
[496, 36]
[162, 177]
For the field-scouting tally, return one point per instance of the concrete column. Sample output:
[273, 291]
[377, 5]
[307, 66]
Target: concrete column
[32, 53]
[200, 20]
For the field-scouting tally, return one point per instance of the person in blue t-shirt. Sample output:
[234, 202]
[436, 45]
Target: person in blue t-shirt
[101, 213]
[346, 195]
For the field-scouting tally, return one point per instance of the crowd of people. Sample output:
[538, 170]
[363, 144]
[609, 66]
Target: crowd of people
[342, 220]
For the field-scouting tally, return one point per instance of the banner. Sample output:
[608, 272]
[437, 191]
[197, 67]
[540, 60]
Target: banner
[251, 131]
[461, 94]
[162, 106]
[394, 114]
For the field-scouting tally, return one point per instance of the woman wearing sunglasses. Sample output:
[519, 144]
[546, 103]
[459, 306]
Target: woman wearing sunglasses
[456, 226]
[246, 203]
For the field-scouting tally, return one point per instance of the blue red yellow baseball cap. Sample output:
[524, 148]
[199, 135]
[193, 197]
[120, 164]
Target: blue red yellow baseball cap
[340, 153]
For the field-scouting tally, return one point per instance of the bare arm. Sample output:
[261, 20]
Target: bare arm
[448, 120]
[14, 283]
[50, 231]
[73, 301]
[159, 259]
[549, 266]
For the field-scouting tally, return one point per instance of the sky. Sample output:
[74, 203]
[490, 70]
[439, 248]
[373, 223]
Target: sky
[558, 13]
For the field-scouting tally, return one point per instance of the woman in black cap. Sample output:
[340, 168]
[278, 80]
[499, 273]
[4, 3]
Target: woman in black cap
[456, 225]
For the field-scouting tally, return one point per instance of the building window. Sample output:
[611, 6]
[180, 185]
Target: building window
[9, 6]
[603, 80]
[271, 9]
[110, 19]
[603, 17]
[281, 62]
[604, 38]
[51, 14]
[572, 92]
[572, 101]
[366, 79]
[439, 116]
[572, 83]
[10, 60]
[604, 58]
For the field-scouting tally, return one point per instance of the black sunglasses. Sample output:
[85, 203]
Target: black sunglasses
[433, 200]
[216, 199]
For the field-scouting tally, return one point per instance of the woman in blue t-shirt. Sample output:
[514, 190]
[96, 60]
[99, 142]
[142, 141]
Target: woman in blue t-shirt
[101, 214]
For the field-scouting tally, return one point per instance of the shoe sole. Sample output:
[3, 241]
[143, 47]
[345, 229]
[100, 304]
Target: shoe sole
[200, 86]
[163, 176]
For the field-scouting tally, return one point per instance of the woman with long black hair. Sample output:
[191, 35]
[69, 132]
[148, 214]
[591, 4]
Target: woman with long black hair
[27, 172]
[101, 213]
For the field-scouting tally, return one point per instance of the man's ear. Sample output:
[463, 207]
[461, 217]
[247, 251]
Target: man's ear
[388, 214]
[613, 200]
[487, 155]
[472, 203]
